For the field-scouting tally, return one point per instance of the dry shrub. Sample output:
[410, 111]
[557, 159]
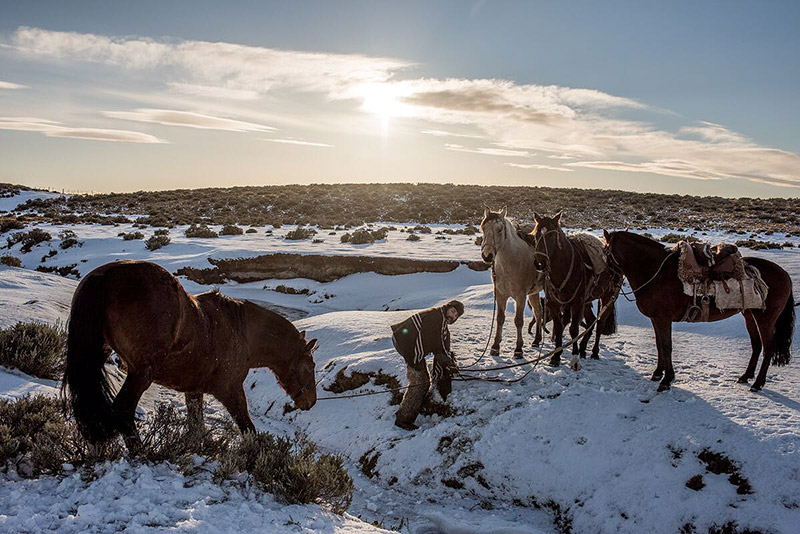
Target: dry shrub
[289, 468]
[10, 261]
[300, 233]
[157, 241]
[231, 229]
[36, 349]
[36, 438]
[201, 231]
[29, 239]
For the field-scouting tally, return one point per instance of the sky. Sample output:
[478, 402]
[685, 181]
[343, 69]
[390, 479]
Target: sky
[689, 97]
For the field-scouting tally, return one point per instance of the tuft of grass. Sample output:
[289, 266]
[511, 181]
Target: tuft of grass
[36, 349]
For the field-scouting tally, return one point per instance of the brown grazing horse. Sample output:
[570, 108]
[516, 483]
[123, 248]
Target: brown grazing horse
[652, 271]
[571, 285]
[193, 344]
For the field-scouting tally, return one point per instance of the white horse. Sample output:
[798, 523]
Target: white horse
[514, 275]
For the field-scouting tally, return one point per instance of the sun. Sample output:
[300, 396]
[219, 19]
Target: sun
[384, 100]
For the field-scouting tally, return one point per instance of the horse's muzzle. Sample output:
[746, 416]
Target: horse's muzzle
[307, 400]
[488, 257]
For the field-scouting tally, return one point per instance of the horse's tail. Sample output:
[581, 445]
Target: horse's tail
[85, 376]
[609, 325]
[784, 330]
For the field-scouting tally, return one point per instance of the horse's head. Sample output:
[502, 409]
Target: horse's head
[494, 231]
[296, 376]
[547, 235]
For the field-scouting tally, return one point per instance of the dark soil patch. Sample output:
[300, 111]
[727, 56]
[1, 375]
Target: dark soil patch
[696, 483]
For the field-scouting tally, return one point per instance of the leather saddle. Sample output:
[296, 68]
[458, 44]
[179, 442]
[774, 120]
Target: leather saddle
[701, 261]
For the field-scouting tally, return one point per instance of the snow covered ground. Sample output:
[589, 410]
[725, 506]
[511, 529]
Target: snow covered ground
[597, 448]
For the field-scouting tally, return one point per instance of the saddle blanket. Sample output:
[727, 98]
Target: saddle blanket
[748, 293]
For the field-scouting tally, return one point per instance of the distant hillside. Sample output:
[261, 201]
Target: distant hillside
[355, 204]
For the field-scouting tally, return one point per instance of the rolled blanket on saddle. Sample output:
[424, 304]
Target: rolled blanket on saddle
[720, 272]
[592, 248]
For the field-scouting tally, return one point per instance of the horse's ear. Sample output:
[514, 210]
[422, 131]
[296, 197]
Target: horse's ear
[557, 218]
[504, 212]
[312, 345]
[606, 235]
[486, 212]
[303, 334]
[537, 217]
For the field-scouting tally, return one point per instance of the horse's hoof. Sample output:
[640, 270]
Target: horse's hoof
[595, 356]
[576, 367]
[744, 379]
[755, 388]
[555, 362]
[535, 344]
[494, 352]
[657, 376]
[663, 387]
[518, 354]
[583, 354]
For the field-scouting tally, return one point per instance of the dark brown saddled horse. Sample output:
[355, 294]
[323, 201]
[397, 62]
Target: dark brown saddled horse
[194, 344]
[571, 285]
[652, 272]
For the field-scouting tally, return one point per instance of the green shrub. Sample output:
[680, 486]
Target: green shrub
[231, 229]
[10, 261]
[290, 469]
[202, 231]
[29, 239]
[36, 349]
[36, 438]
[156, 242]
[300, 233]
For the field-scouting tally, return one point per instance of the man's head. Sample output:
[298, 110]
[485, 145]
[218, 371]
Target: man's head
[453, 310]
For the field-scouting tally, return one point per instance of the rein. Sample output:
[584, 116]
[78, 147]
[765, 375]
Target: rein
[618, 267]
[549, 286]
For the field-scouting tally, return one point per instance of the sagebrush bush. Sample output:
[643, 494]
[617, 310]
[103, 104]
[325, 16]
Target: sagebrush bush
[300, 233]
[10, 223]
[29, 239]
[290, 469]
[361, 236]
[130, 236]
[36, 349]
[231, 229]
[156, 242]
[10, 261]
[201, 231]
[36, 438]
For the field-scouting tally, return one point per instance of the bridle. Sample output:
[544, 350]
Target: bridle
[548, 283]
[617, 268]
[486, 234]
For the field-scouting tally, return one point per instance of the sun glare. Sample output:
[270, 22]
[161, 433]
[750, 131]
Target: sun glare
[383, 100]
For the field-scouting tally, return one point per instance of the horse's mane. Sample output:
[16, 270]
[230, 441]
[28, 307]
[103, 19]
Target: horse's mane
[644, 241]
[237, 310]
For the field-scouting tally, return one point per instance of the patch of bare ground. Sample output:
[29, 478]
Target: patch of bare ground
[314, 267]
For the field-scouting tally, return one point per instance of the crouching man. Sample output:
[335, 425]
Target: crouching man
[421, 334]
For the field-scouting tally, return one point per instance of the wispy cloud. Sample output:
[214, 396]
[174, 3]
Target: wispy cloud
[502, 152]
[55, 129]
[442, 133]
[212, 91]
[298, 142]
[10, 85]
[538, 166]
[222, 66]
[170, 117]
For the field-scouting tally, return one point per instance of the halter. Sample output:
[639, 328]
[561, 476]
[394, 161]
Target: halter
[502, 222]
[617, 268]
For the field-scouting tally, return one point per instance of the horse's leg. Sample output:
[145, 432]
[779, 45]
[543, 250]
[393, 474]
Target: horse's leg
[767, 330]
[194, 407]
[538, 316]
[125, 403]
[501, 318]
[534, 319]
[663, 331]
[235, 402]
[755, 342]
[588, 313]
[558, 331]
[597, 325]
[519, 321]
[574, 328]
